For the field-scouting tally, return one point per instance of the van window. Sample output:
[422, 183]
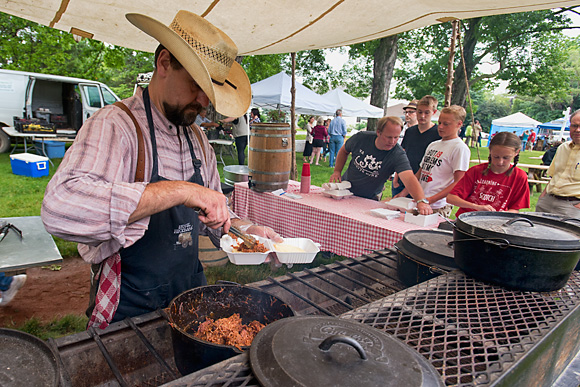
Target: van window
[93, 96]
[108, 97]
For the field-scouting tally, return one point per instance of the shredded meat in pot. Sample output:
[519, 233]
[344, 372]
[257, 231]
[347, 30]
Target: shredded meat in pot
[228, 331]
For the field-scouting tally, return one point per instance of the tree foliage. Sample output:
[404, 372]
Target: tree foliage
[28, 46]
[527, 49]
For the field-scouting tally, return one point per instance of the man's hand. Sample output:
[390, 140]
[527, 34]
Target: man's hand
[335, 177]
[485, 207]
[424, 208]
[213, 209]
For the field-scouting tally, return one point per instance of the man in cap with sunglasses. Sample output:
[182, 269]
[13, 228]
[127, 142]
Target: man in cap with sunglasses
[140, 183]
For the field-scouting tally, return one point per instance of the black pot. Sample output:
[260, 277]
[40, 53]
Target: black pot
[319, 351]
[190, 308]
[26, 360]
[423, 255]
[518, 251]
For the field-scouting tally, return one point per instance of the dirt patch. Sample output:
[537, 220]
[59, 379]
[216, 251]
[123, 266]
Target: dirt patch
[50, 294]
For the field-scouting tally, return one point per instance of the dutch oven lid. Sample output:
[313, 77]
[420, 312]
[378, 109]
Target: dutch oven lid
[26, 360]
[526, 230]
[429, 246]
[318, 351]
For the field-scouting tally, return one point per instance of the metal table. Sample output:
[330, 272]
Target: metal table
[37, 248]
[221, 144]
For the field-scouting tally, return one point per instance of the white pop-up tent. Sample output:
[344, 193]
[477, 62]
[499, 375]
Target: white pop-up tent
[351, 106]
[274, 93]
[517, 122]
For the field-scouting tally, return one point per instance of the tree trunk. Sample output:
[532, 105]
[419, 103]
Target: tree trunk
[459, 93]
[384, 64]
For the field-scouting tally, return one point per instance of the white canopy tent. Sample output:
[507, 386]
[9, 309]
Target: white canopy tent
[517, 122]
[274, 93]
[351, 106]
[267, 27]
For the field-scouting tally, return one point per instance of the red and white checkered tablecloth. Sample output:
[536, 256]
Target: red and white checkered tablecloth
[345, 227]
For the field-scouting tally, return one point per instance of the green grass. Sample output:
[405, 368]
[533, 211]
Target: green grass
[22, 196]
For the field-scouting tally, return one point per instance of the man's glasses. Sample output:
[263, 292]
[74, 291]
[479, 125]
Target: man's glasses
[410, 111]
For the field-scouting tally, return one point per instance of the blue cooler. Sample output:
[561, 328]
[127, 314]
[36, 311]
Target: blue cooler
[53, 149]
[27, 164]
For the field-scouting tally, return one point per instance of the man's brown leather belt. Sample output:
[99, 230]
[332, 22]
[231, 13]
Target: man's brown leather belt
[567, 198]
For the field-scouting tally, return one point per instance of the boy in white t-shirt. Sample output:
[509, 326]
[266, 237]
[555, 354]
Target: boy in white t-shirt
[445, 161]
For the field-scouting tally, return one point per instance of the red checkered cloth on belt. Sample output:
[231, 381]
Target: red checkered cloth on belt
[108, 292]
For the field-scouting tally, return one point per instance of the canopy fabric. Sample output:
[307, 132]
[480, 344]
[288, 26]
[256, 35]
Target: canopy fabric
[266, 27]
[555, 125]
[274, 93]
[517, 122]
[351, 106]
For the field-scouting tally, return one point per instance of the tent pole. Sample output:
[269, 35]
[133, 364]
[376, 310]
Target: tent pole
[293, 171]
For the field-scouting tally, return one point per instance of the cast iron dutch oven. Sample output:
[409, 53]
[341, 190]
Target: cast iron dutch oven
[521, 251]
[329, 351]
[190, 308]
[424, 254]
[26, 360]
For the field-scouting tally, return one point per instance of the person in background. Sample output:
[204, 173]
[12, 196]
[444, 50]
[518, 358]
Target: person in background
[531, 140]
[337, 133]
[476, 133]
[137, 218]
[525, 137]
[562, 193]
[410, 118]
[306, 155]
[202, 121]
[255, 117]
[418, 137]
[375, 156]
[9, 286]
[319, 133]
[326, 147]
[240, 133]
[468, 134]
[497, 185]
[445, 161]
[550, 153]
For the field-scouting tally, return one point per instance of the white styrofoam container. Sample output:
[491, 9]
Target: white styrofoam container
[310, 250]
[227, 242]
[338, 193]
[384, 213]
[401, 204]
[422, 220]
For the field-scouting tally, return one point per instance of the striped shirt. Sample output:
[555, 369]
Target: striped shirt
[93, 193]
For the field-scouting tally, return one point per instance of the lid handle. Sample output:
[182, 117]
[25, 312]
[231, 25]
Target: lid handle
[334, 339]
[512, 221]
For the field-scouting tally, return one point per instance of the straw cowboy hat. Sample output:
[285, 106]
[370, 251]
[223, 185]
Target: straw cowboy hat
[207, 54]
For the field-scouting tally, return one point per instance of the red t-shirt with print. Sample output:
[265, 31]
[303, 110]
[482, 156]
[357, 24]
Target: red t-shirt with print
[498, 190]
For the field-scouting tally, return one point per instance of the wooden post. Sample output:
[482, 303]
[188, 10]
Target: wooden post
[293, 170]
[450, 67]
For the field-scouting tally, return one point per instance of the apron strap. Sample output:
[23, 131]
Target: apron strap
[140, 171]
[196, 130]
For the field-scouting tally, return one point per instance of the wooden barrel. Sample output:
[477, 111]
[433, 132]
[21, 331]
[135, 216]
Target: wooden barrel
[270, 156]
[209, 255]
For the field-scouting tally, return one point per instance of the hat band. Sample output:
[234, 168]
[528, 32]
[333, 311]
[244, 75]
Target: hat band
[222, 83]
[206, 51]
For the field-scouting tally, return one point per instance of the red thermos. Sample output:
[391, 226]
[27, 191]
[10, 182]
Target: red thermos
[305, 179]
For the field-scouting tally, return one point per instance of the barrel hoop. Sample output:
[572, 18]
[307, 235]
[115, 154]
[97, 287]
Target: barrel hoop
[269, 173]
[272, 183]
[270, 150]
[270, 135]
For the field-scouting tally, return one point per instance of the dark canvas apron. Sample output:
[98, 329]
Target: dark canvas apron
[164, 262]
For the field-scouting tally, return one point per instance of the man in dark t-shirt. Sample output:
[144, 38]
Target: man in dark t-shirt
[375, 156]
[419, 136]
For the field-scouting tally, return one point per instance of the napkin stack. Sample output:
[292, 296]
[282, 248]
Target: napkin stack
[337, 189]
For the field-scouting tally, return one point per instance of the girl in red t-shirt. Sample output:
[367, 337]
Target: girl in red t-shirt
[497, 185]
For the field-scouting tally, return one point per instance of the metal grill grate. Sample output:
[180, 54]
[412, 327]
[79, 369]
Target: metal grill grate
[470, 331]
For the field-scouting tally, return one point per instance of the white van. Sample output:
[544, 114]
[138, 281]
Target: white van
[65, 102]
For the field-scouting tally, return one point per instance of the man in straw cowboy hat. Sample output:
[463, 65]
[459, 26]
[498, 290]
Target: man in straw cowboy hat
[140, 183]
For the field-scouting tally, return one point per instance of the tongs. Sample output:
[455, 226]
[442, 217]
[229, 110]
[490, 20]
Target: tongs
[249, 241]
